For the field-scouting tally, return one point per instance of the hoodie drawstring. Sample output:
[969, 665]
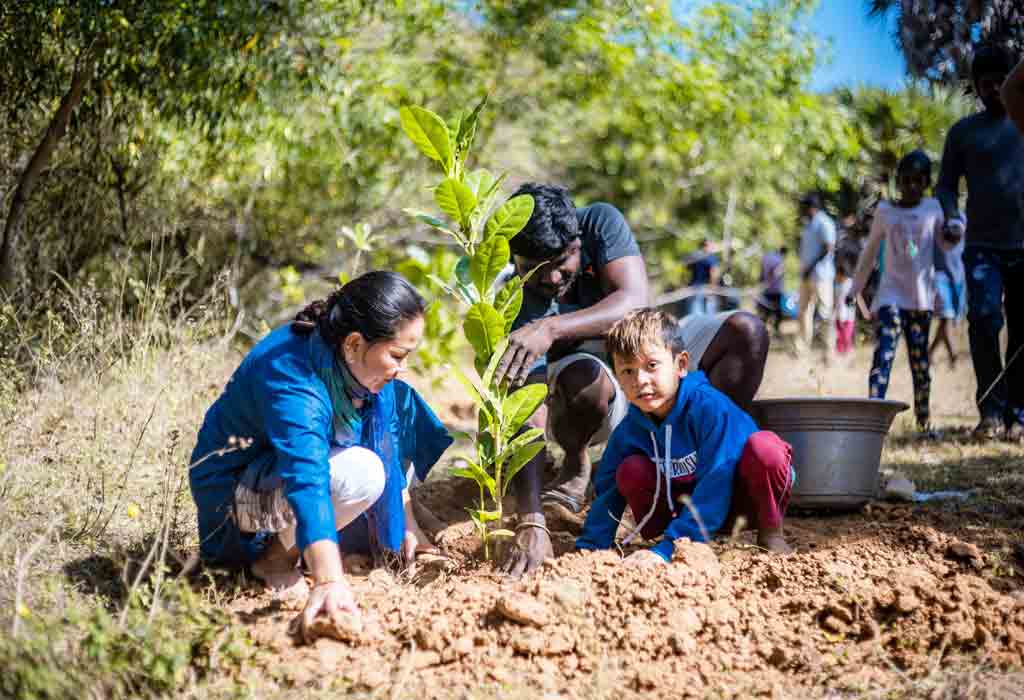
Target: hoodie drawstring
[662, 470]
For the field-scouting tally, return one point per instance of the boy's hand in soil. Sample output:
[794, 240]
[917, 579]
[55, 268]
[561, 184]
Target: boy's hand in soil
[529, 550]
[643, 557]
[333, 603]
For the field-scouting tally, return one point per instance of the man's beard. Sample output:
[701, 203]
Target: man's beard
[557, 292]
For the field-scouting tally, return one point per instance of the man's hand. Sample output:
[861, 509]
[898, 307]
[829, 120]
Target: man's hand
[331, 610]
[524, 347]
[642, 558]
[528, 551]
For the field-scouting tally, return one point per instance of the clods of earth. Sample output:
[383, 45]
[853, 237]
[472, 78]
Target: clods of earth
[868, 600]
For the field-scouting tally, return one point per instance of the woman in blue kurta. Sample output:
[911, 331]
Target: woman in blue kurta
[304, 453]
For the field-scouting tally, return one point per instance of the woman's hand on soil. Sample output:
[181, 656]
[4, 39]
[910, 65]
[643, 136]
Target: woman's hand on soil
[416, 543]
[643, 557]
[333, 601]
[530, 548]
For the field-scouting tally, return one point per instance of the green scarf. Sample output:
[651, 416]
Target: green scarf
[344, 390]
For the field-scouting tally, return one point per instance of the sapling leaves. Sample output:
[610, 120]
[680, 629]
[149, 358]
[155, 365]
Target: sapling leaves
[456, 200]
[475, 472]
[437, 224]
[519, 459]
[467, 199]
[510, 217]
[520, 405]
[484, 328]
[488, 261]
[492, 366]
[509, 300]
[430, 134]
[526, 437]
[476, 394]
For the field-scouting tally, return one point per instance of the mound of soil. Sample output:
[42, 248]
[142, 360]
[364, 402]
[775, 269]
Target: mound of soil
[891, 592]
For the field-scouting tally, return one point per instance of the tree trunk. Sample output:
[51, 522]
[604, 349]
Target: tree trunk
[40, 158]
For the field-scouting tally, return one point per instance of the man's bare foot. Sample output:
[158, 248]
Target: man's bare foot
[773, 541]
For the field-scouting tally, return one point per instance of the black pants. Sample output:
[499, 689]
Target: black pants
[995, 289]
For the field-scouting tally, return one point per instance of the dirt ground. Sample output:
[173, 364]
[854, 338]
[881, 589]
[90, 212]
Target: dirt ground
[898, 600]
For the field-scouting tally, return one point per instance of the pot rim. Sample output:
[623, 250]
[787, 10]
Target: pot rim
[903, 406]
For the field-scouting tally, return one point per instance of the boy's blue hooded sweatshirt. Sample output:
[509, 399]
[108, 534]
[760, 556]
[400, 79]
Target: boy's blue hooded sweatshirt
[276, 399]
[703, 435]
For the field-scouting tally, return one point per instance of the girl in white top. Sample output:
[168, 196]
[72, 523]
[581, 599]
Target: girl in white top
[910, 229]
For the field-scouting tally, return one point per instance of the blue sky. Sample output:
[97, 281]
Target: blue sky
[862, 49]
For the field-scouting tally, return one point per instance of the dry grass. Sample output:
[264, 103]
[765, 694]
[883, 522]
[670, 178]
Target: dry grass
[93, 484]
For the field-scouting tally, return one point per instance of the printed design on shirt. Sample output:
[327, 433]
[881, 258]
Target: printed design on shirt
[683, 466]
[907, 235]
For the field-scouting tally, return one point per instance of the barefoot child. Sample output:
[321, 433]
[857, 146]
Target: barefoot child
[682, 440]
[910, 228]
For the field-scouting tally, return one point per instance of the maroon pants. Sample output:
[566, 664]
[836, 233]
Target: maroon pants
[760, 490]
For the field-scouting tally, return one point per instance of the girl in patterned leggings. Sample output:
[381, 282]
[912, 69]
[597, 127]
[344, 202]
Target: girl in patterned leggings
[910, 228]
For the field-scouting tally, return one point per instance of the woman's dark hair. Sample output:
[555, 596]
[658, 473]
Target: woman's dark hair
[374, 304]
[916, 162]
[552, 226]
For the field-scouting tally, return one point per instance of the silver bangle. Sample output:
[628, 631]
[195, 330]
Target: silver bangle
[528, 524]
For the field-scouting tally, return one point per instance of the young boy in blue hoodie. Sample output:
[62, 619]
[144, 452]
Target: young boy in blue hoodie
[682, 438]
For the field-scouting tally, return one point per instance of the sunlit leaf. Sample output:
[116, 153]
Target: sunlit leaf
[430, 134]
[490, 259]
[510, 217]
[519, 406]
[517, 460]
[456, 200]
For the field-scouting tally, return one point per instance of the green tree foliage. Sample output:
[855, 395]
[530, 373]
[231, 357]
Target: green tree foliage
[256, 136]
[937, 36]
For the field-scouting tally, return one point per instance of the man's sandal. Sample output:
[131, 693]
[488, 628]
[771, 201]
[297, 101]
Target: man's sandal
[570, 503]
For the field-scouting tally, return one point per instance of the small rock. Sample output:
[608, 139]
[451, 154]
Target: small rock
[348, 628]
[834, 624]
[899, 488]
[907, 602]
[373, 678]
[532, 642]
[698, 556]
[425, 659]
[462, 646]
[569, 596]
[684, 621]
[965, 551]
[778, 657]
[523, 609]
[643, 595]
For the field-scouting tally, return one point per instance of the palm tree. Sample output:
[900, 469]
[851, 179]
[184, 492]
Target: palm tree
[936, 36]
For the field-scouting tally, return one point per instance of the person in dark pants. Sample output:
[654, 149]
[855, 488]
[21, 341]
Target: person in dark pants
[988, 151]
[773, 272]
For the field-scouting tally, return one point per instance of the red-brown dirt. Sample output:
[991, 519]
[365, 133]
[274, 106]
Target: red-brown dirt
[891, 593]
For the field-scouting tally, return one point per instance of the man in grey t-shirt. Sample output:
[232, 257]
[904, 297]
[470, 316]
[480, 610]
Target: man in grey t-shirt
[817, 271]
[987, 150]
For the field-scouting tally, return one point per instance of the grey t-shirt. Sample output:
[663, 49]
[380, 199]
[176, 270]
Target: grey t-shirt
[988, 151]
[605, 236]
[818, 234]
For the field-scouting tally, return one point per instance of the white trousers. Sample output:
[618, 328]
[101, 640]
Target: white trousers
[357, 481]
[817, 296]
